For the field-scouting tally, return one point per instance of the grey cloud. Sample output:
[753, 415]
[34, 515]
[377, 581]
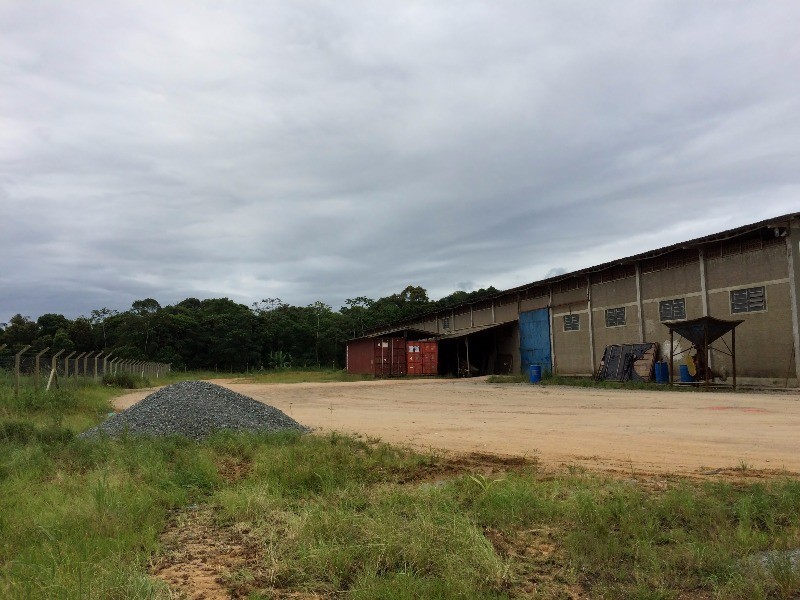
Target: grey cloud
[314, 151]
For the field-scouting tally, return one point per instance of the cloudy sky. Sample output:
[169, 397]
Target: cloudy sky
[325, 150]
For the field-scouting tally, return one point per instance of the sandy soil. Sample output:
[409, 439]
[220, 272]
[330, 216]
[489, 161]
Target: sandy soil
[676, 432]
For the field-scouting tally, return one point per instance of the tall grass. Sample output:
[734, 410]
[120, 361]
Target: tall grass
[341, 517]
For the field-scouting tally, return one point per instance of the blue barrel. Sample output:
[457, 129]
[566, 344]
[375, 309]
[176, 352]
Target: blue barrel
[685, 377]
[536, 373]
[662, 372]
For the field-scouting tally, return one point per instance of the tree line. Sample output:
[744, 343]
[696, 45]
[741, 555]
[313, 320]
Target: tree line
[219, 333]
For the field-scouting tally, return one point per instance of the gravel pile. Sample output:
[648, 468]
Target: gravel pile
[195, 409]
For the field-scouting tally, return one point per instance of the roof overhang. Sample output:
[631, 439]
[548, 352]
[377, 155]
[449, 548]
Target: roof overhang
[466, 332]
[403, 332]
[703, 331]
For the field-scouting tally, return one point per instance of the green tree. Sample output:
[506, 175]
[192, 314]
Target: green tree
[20, 331]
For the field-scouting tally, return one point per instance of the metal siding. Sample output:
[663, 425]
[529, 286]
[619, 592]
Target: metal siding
[534, 339]
[359, 356]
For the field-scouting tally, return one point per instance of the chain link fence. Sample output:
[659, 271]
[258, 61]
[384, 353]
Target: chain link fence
[45, 368]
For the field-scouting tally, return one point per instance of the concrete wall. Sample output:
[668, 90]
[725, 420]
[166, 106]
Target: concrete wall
[667, 283]
[571, 348]
[764, 341]
[654, 329]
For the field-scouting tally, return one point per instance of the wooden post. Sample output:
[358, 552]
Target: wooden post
[17, 358]
[54, 369]
[66, 363]
[36, 371]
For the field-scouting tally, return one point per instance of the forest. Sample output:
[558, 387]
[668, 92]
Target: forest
[221, 334]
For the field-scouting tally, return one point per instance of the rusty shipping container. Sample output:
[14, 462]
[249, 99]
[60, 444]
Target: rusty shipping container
[381, 357]
[422, 358]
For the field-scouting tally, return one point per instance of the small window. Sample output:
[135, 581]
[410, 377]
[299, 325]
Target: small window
[615, 317]
[572, 322]
[748, 300]
[672, 310]
[445, 322]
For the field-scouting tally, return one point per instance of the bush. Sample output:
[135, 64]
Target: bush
[127, 381]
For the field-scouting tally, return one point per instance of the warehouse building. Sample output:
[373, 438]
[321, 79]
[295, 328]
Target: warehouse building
[564, 323]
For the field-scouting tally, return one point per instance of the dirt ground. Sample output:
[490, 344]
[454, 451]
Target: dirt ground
[606, 429]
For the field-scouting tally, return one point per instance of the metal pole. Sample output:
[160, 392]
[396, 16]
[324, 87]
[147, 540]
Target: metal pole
[671, 353]
[733, 355]
[17, 358]
[706, 351]
[466, 341]
[36, 367]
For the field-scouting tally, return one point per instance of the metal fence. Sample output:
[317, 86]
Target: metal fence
[46, 368]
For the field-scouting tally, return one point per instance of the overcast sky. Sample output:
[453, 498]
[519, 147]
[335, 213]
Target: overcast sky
[327, 150]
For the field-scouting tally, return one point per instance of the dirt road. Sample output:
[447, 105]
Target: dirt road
[680, 432]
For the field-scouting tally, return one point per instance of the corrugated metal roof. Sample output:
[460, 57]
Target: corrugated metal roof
[778, 221]
[471, 330]
[396, 332]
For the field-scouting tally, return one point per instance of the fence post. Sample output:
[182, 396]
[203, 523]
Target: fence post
[86, 363]
[78, 364]
[36, 368]
[105, 363]
[2, 346]
[66, 363]
[95, 364]
[17, 358]
[53, 367]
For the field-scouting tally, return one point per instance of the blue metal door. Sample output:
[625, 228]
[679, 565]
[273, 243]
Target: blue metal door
[534, 340]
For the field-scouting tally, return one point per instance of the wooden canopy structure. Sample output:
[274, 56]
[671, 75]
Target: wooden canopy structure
[701, 333]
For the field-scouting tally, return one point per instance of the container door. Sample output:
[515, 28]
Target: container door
[534, 339]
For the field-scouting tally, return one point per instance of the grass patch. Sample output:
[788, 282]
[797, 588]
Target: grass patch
[126, 381]
[343, 517]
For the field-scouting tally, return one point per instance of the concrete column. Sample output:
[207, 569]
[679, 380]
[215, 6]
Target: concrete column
[17, 366]
[36, 366]
[639, 301]
[54, 360]
[97, 356]
[591, 322]
[106, 363]
[704, 298]
[78, 364]
[793, 257]
[703, 285]
[66, 363]
[54, 369]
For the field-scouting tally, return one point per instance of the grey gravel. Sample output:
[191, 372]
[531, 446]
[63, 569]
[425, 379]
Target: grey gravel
[195, 409]
[771, 558]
